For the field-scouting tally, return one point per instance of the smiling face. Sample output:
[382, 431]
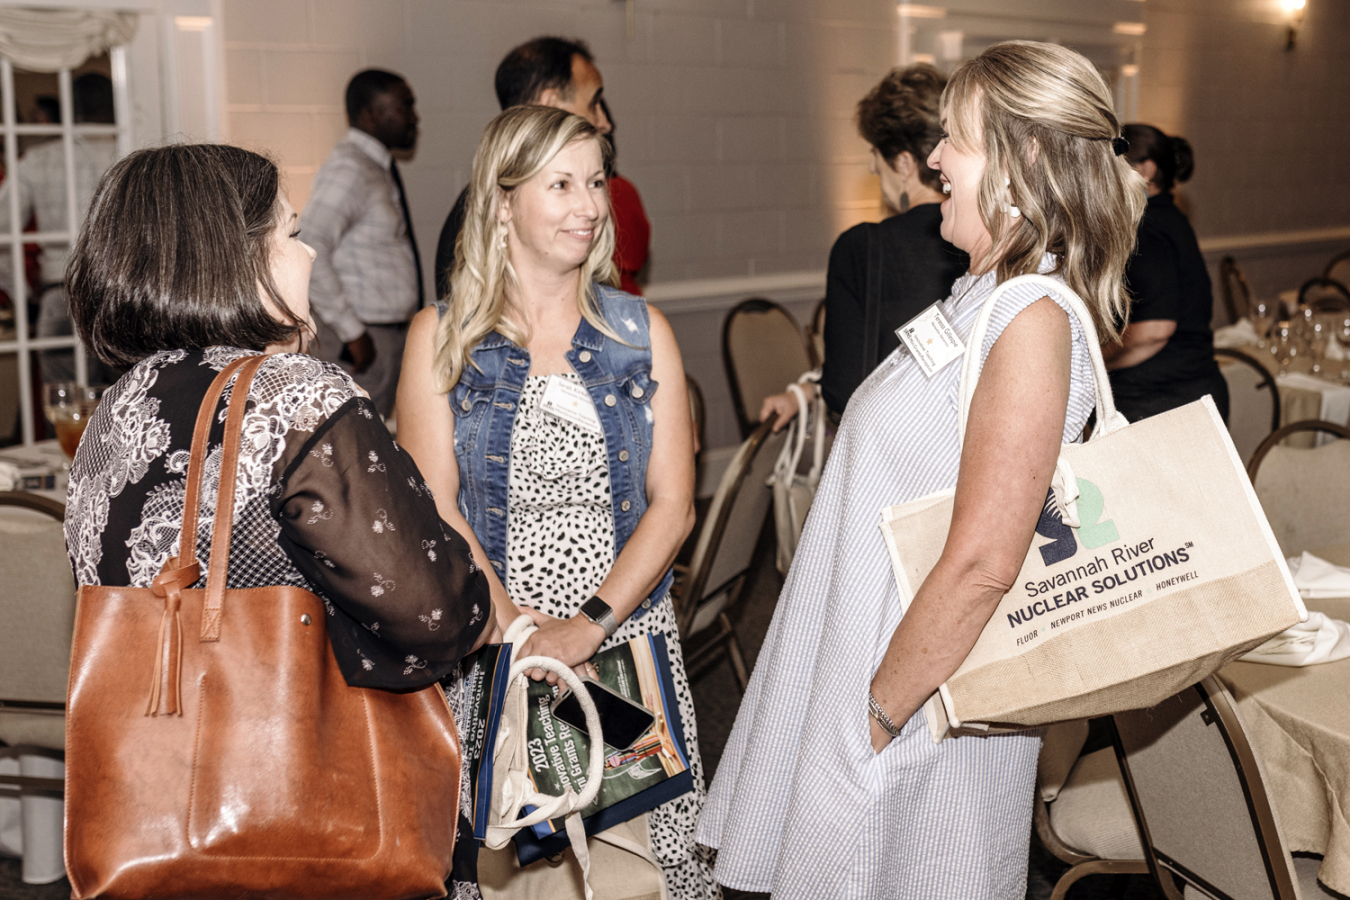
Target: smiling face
[962, 168]
[291, 261]
[552, 219]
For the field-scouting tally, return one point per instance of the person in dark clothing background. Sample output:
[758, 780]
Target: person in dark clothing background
[1165, 357]
[915, 267]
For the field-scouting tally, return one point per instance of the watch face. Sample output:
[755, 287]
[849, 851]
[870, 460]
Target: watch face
[596, 609]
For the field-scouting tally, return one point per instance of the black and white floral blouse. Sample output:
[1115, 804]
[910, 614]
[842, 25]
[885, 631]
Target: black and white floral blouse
[325, 501]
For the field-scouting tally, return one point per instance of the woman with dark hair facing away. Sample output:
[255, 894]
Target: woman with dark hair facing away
[548, 409]
[190, 259]
[831, 785]
[1165, 357]
[914, 266]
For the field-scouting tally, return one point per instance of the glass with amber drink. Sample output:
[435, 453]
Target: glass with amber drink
[69, 406]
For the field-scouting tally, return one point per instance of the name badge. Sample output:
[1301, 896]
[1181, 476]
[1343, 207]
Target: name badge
[569, 401]
[931, 340]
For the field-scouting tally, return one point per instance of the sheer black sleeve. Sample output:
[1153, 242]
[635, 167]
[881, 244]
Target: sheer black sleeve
[404, 599]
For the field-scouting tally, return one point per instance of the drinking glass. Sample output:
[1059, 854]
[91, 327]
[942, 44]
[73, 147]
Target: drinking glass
[72, 418]
[1263, 317]
[1317, 344]
[1284, 345]
[1343, 338]
[55, 396]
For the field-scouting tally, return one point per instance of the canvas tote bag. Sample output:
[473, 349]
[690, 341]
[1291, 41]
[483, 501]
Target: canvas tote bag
[616, 863]
[213, 748]
[1152, 566]
[794, 490]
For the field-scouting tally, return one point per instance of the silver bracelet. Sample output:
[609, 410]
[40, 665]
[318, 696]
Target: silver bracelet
[874, 708]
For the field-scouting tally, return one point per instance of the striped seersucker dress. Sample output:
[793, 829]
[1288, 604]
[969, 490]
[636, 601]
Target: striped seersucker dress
[800, 805]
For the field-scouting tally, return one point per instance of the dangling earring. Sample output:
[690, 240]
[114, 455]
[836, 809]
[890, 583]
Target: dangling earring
[904, 202]
[1010, 209]
[501, 236]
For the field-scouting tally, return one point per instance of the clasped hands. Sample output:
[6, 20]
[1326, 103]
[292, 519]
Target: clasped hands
[570, 641]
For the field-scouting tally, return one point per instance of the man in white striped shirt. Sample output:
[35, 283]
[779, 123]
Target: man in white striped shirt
[367, 277]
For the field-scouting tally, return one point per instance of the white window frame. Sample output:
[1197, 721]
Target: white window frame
[13, 240]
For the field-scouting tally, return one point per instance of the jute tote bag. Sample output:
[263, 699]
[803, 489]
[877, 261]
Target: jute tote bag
[1152, 566]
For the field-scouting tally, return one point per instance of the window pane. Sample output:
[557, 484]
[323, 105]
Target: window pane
[9, 393]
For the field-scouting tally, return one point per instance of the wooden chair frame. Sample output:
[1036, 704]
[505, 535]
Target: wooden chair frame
[1080, 865]
[815, 333]
[1267, 381]
[1229, 275]
[700, 648]
[752, 305]
[1280, 434]
[1219, 705]
[1329, 284]
[1331, 266]
[57, 510]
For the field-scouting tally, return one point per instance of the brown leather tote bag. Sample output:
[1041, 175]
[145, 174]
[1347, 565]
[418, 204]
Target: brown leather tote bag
[213, 748]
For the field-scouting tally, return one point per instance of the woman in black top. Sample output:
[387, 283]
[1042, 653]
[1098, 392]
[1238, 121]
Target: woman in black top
[1166, 355]
[914, 267]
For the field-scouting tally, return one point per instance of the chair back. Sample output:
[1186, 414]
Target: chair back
[1237, 296]
[37, 603]
[764, 350]
[1305, 492]
[697, 410]
[1339, 268]
[1324, 294]
[816, 332]
[1253, 400]
[1199, 796]
[726, 543]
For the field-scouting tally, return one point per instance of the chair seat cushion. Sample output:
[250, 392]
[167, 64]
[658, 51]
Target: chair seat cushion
[1092, 813]
[33, 730]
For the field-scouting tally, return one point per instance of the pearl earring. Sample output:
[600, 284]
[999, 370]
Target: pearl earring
[1010, 209]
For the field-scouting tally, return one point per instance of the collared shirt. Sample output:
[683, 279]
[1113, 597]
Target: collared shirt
[42, 195]
[363, 269]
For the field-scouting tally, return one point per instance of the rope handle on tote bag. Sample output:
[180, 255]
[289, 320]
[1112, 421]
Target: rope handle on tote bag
[1109, 419]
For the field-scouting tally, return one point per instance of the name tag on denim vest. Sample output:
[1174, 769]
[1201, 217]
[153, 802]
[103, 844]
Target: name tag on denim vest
[569, 401]
[931, 340]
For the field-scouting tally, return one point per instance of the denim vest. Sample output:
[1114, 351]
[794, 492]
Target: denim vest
[619, 380]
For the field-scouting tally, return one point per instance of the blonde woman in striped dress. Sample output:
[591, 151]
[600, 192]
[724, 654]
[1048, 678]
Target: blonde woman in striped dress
[814, 798]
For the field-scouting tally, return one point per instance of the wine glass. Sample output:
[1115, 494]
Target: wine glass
[1263, 317]
[55, 396]
[1284, 345]
[72, 418]
[1343, 338]
[1317, 343]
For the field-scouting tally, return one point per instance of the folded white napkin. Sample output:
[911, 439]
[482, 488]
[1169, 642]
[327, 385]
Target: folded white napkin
[1239, 334]
[1318, 640]
[1335, 350]
[10, 479]
[1317, 579]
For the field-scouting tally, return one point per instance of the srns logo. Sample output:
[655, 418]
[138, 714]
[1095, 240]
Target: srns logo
[1092, 533]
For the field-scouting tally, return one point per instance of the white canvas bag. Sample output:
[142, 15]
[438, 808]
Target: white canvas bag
[512, 790]
[793, 490]
[1152, 566]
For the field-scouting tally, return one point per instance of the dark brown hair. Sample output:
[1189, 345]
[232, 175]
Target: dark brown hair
[901, 114]
[174, 252]
[1171, 154]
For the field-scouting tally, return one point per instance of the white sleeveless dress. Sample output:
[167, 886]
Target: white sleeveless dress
[800, 804]
[559, 548]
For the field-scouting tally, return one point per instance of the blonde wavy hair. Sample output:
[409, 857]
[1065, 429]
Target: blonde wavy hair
[1044, 119]
[514, 148]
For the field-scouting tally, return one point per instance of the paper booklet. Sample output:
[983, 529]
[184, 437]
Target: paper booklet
[651, 772]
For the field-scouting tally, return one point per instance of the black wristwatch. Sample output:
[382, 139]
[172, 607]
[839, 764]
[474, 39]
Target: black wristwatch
[598, 611]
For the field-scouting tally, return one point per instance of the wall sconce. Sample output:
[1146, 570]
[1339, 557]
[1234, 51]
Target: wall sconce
[1293, 13]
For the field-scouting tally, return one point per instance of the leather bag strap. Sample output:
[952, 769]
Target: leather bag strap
[245, 368]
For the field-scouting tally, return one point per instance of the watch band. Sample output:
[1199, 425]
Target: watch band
[599, 612]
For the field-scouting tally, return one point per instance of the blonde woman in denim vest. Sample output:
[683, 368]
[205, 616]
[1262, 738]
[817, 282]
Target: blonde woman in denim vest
[576, 520]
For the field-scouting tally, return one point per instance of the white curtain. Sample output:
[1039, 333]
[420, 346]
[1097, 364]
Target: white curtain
[44, 40]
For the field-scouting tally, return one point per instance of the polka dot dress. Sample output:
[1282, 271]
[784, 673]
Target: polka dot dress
[559, 548]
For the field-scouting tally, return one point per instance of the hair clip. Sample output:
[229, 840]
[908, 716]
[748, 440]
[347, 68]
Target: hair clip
[1120, 145]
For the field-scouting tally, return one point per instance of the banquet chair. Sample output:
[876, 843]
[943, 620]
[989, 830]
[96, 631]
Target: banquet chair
[1199, 795]
[764, 350]
[709, 592]
[1324, 294]
[1305, 492]
[1082, 814]
[37, 603]
[816, 332]
[1248, 422]
[1237, 296]
[697, 410]
[1339, 268]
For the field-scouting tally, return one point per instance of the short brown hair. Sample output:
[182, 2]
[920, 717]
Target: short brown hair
[901, 115]
[173, 253]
